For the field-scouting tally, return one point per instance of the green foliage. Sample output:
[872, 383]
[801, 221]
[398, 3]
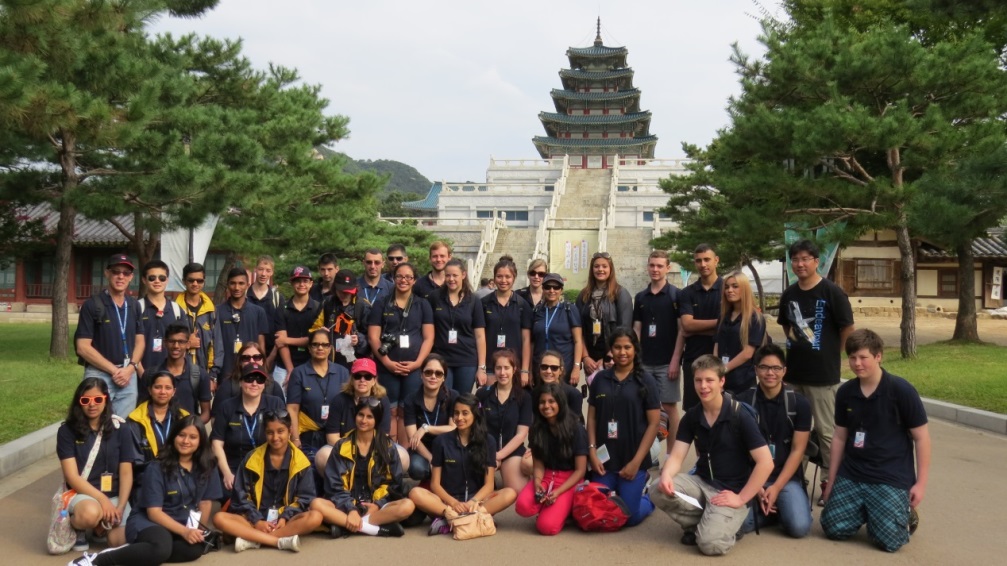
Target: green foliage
[937, 374]
[402, 178]
[19, 235]
[391, 206]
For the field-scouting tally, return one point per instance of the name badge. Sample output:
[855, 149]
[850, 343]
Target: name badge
[237, 345]
[325, 412]
[725, 359]
[652, 331]
[613, 429]
[596, 327]
[193, 521]
[272, 516]
[157, 345]
[501, 340]
[858, 439]
[452, 336]
[603, 455]
[106, 482]
[403, 341]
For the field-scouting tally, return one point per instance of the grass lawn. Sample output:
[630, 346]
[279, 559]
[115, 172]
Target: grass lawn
[36, 391]
[971, 374]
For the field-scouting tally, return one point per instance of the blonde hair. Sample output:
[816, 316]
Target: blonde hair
[746, 303]
[377, 390]
[538, 262]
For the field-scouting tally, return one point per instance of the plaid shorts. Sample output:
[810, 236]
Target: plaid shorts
[884, 508]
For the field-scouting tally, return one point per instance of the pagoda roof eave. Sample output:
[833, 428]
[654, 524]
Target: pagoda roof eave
[560, 94]
[593, 142]
[560, 118]
[599, 75]
[596, 51]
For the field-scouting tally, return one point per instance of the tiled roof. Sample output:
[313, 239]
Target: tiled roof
[993, 246]
[595, 75]
[595, 51]
[593, 119]
[429, 202]
[615, 95]
[87, 232]
[594, 142]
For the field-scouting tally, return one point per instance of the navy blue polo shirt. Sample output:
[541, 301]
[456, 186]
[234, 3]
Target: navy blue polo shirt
[502, 419]
[885, 418]
[116, 448]
[728, 340]
[316, 291]
[266, 304]
[392, 320]
[115, 334]
[297, 323]
[416, 412]
[310, 390]
[702, 304]
[240, 431]
[425, 286]
[552, 329]
[184, 395]
[776, 426]
[574, 400]
[458, 477]
[552, 460]
[724, 460]
[175, 495]
[464, 318]
[374, 294]
[507, 321]
[659, 310]
[246, 323]
[622, 402]
[274, 484]
[342, 420]
[154, 325]
[230, 388]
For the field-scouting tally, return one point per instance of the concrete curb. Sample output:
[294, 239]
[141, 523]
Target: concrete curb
[40, 444]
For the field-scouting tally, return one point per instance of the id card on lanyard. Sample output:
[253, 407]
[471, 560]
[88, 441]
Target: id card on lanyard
[123, 319]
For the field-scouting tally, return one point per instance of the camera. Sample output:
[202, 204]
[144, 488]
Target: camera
[387, 343]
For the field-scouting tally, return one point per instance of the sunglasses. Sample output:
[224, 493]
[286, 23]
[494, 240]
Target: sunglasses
[322, 345]
[395, 258]
[433, 373]
[254, 378]
[275, 414]
[121, 272]
[537, 274]
[373, 262]
[602, 255]
[161, 278]
[251, 357]
[363, 376]
[369, 401]
[552, 288]
[193, 280]
[92, 400]
[549, 367]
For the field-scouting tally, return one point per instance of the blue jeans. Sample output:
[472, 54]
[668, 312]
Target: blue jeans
[123, 398]
[631, 492]
[461, 379]
[419, 467]
[793, 511]
[399, 387]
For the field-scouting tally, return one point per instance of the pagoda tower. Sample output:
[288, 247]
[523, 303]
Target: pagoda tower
[598, 112]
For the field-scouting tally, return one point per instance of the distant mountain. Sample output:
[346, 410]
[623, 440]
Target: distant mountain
[403, 178]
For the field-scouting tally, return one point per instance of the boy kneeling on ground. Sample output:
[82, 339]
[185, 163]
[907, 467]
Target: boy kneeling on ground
[727, 441]
[880, 419]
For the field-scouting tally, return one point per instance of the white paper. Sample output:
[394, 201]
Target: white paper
[602, 452]
[688, 499]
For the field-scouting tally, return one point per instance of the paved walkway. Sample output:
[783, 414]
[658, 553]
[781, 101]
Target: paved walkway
[961, 520]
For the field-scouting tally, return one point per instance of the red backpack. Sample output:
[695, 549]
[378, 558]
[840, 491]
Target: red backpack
[596, 508]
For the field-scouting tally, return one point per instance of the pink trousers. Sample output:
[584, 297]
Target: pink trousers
[550, 517]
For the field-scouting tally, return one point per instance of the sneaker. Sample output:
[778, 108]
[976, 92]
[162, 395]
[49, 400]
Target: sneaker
[439, 526]
[689, 538]
[391, 530]
[85, 560]
[335, 531]
[241, 545]
[291, 543]
[81, 545]
[821, 498]
[914, 520]
[738, 536]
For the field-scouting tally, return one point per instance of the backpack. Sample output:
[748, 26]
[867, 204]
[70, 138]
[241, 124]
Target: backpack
[596, 508]
[174, 308]
[747, 398]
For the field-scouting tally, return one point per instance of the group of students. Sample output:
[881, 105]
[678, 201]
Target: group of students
[356, 408]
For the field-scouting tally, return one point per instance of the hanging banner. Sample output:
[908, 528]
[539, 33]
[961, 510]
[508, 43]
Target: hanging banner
[175, 250]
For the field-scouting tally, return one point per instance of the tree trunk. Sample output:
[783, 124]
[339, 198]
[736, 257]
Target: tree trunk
[220, 290]
[908, 276]
[966, 327]
[61, 280]
[758, 285]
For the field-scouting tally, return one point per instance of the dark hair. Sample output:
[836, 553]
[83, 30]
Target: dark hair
[803, 246]
[466, 286]
[477, 434]
[484, 281]
[204, 462]
[276, 416]
[177, 328]
[328, 258]
[442, 394]
[392, 248]
[412, 268]
[556, 438]
[154, 264]
[703, 248]
[864, 338]
[372, 251]
[76, 420]
[516, 391]
[236, 370]
[537, 371]
[637, 373]
[191, 268]
[769, 350]
[320, 332]
[237, 272]
[506, 262]
[382, 447]
[150, 380]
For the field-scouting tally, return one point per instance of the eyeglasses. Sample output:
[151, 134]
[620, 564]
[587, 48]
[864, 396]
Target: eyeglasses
[322, 345]
[404, 278]
[161, 278]
[176, 342]
[121, 272]
[194, 280]
[537, 274]
[433, 373]
[372, 262]
[765, 368]
[395, 258]
[803, 259]
[363, 376]
[92, 400]
[602, 255]
[549, 367]
[369, 401]
[250, 358]
[255, 377]
[551, 288]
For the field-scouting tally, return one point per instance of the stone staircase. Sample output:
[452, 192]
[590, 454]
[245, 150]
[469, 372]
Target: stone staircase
[519, 243]
[586, 196]
[630, 249]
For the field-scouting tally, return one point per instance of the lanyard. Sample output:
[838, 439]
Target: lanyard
[251, 429]
[548, 322]
[182, 492]
[123, 318]
[437, 415]
[370, 300]
[325, 389]
[162, 434]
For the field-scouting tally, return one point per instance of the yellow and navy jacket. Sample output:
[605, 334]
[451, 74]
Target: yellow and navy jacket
[146, 444]
[383, 485]
[202, 325]
[246, 495]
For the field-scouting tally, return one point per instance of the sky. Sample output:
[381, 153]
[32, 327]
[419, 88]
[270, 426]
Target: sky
[446, 85]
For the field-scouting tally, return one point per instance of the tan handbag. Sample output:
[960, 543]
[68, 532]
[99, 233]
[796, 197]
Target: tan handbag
[467, 526]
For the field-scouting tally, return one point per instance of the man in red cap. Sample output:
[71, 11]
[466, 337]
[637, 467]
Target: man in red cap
[344, 315]
[293, 321]
[109, 337]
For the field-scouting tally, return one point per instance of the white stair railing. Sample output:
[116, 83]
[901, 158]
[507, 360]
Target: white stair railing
[491, 230]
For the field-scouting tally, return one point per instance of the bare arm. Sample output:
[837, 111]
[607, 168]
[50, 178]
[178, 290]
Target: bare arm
[693, 325]
[672, 466]
[844, 333]
[519, 437]
[87, 351]
[921, 438]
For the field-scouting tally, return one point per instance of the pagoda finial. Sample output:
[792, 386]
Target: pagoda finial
[597, 37]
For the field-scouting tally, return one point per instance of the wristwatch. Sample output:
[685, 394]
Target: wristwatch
[425, 427]
[482, 368]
